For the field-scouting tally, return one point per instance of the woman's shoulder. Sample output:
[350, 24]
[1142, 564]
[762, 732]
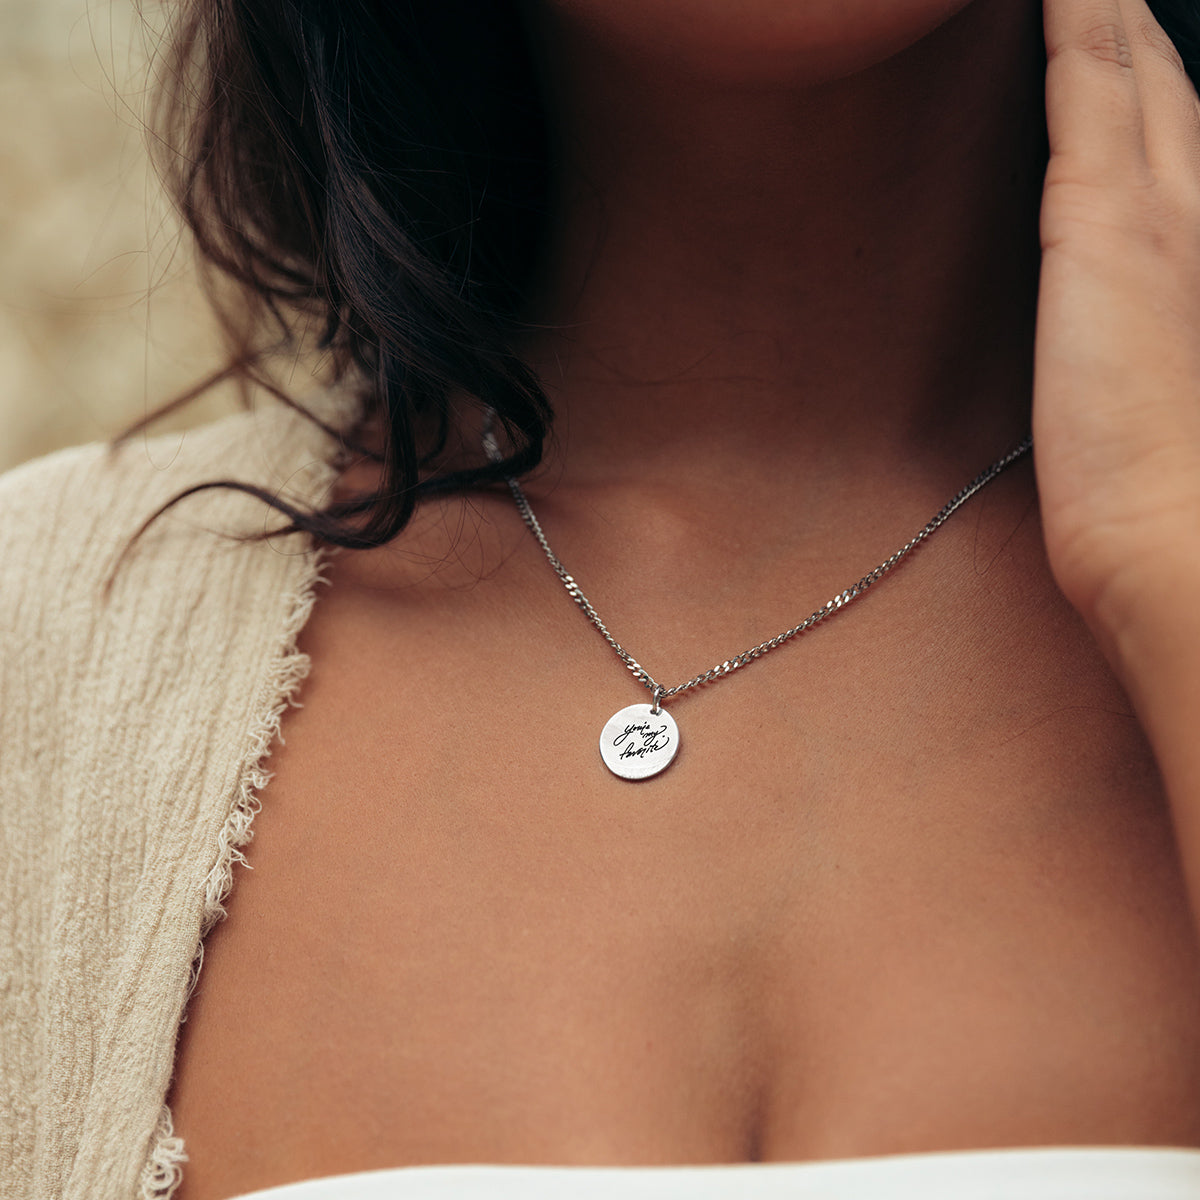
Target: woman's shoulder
[101, 593]
[140, 678]
[94, 497]
[84, 522]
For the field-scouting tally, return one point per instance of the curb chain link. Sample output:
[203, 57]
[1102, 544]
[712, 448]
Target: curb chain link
[720, 670]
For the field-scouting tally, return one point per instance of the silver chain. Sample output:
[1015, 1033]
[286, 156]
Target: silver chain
[492, 449]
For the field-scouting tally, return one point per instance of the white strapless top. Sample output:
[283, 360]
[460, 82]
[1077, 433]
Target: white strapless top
[1049, 1173]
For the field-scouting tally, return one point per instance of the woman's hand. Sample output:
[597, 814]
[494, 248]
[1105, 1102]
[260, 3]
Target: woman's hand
[1117, 378]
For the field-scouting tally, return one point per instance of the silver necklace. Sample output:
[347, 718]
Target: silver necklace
[642, 739]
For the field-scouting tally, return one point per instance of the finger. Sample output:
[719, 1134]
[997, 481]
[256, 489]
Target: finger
[1093, 108]
[1170, 108]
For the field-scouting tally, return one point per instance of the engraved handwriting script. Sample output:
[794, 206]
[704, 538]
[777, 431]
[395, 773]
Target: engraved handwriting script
[641, 739]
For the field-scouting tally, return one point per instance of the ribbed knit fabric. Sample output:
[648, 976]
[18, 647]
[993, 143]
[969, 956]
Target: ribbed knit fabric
[133, 733]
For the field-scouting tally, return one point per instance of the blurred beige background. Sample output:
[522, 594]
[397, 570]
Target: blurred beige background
[100, 317]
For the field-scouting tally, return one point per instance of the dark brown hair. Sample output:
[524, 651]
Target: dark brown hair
[374, 170]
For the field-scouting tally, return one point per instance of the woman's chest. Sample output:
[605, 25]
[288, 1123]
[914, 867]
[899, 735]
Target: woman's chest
[921, 899]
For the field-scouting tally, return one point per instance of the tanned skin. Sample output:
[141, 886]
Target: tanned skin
[917, 881]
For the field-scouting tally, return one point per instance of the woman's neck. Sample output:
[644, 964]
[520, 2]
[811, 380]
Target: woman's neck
[831, 275]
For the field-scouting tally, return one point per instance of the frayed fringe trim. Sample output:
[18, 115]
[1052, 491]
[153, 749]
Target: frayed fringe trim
[163, 1171]
[290, 669]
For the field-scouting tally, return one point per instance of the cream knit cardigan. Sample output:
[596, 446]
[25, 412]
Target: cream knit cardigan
[133, 734]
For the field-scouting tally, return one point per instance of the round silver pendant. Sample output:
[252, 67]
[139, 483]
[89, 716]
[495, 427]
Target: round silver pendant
[637, 742]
